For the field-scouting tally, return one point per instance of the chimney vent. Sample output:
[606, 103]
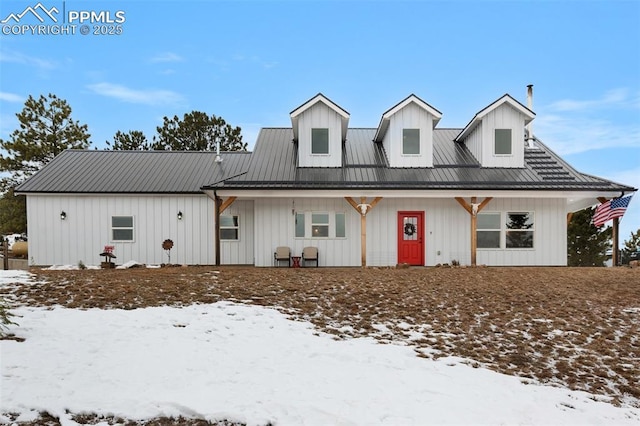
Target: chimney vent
[529, 127]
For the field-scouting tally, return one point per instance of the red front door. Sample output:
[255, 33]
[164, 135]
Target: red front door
[410, 238]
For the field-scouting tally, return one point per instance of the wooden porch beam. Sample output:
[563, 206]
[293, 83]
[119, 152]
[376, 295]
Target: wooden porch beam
[226, 203]
[473, 209]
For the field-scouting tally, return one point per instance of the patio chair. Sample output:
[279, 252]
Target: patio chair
[310, 254]
[282, 254]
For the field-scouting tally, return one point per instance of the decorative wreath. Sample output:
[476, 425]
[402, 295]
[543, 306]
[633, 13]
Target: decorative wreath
[409, 229]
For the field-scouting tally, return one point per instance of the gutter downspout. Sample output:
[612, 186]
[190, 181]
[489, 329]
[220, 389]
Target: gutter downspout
[218, 203]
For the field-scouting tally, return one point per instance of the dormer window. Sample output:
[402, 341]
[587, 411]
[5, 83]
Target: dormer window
[319, 141]
[410, 141]
[502, 142]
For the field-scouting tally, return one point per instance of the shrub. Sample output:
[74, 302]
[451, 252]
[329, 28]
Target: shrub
[5, 317]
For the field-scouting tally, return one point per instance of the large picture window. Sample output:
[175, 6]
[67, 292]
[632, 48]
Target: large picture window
[121, 228]
[502, 141]
[320, 225]
[319, 141]
[229, 228]
[510, 230]
[410, 141]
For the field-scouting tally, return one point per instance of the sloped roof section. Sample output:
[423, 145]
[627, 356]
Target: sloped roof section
[505, 99]
[139, 172]
[386, 116]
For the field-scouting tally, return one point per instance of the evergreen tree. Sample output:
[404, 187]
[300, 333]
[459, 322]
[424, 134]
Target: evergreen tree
[632, 245]
[586, 244]
[197, 132]
[13, 217]
[46, 129]
[134, 140]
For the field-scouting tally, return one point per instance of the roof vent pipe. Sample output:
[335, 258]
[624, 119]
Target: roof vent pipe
[529, 127]
[218, 158]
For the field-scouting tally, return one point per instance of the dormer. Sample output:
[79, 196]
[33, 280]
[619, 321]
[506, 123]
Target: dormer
[319, 130]
[496, 134]
[406, 133]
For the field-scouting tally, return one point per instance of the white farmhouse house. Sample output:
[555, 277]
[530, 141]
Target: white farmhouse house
[403, 192]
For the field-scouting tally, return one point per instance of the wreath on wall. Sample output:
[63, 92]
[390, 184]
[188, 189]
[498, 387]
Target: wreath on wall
[409, 229]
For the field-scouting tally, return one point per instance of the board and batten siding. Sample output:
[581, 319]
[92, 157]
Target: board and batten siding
[503, 117]
[87, 229]
[275, 226]
[410, 117]
[320, 116]
[239, 252]
[447, 233]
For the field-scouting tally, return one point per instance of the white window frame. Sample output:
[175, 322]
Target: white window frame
[495, 134]
[307, 217]
[417, 154]
[235, 227]
[328, 141]
[116, 228]
[532, 216]
[498, 229]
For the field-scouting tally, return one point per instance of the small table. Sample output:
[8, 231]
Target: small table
[296, 261]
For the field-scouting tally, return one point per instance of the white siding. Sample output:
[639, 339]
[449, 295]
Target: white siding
[409, 117]
[275, 226]
[503, 117]
[474, 143]
[320, 116]
[85, 232]
[239, 252]
[448, 232]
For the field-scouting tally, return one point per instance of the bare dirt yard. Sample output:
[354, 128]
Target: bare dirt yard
[572, 327]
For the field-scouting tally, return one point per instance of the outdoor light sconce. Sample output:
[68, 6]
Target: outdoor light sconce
[180, 215]
[63, 215]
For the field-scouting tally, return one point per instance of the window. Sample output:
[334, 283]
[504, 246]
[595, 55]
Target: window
[340, 226]
[488, 230]
[299, 225]
[516, 233]
[502, 142]
[519, 230]
[319, 141]
[319, 225]
[411, 141]
[229, 228]
[121, 228]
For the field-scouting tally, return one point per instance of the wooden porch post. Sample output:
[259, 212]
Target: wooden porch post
[473, 209]
[363, 208]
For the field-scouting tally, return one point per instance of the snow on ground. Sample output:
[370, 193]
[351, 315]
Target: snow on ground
[253, 364]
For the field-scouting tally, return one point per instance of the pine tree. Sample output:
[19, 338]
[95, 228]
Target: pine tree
[13, 218]
[586, 244]
[134, 140]
[632, 245]
[197, 132]
[46, 129]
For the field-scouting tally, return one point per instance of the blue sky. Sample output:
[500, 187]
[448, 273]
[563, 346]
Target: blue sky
[253, 62]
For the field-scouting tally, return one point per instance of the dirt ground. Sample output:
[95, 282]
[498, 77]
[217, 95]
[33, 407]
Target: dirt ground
[572, 327]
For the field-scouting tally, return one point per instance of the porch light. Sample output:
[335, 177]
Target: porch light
[63, 215]
[179, 215]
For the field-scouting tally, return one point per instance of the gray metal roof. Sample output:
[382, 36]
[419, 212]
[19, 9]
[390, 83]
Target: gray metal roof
[273, 165]
[184, 172]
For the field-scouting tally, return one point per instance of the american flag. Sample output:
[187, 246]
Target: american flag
[610, 210]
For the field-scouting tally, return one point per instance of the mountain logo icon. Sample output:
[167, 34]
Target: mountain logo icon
[38, 11]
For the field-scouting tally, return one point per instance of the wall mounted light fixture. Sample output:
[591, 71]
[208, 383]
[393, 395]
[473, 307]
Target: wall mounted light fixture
[63, 215]
[180, 215]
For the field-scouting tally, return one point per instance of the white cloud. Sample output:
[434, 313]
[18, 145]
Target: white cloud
[20, 58]
[573, 126]
[146, 97]
[10, 97]
[167, 57]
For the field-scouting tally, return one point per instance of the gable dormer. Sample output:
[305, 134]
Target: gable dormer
[406, 133]
[319, 130]
[496, 134]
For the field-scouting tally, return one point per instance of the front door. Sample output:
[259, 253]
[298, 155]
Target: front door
[410, 238]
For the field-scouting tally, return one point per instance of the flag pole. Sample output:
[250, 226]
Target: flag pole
[614, 254]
